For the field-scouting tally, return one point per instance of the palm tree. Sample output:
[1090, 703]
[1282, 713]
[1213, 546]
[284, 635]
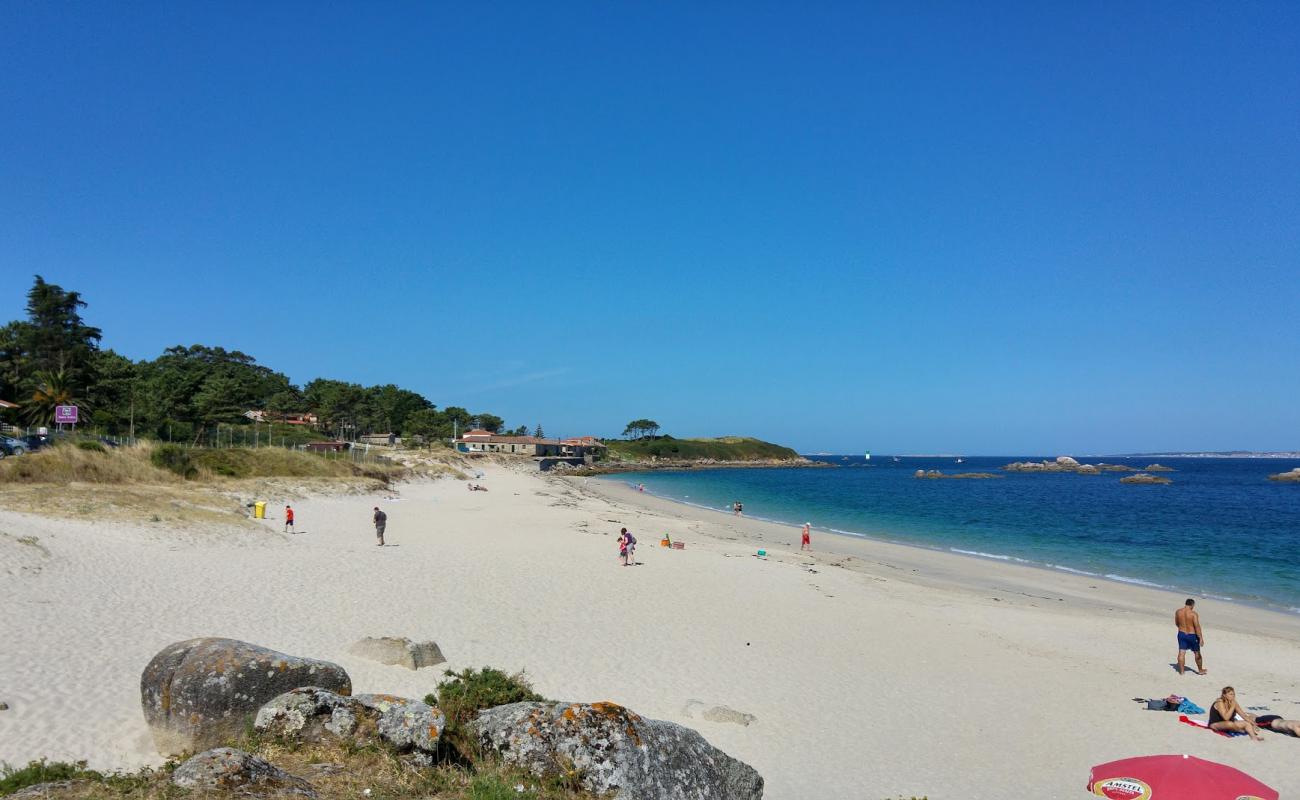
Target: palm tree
[52, 389]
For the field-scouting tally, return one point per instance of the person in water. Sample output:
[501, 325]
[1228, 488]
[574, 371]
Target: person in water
[1225, 711]
[1190, 636]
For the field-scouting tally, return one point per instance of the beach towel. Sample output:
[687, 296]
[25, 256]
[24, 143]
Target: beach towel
[1188, 707]
[1206, 726]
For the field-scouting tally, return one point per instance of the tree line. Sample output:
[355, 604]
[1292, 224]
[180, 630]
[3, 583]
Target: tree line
[53, 358]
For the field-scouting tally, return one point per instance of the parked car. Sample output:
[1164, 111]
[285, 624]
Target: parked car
[36, 441]
[10, 446]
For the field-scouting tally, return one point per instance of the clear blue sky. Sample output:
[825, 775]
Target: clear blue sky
[978, 228]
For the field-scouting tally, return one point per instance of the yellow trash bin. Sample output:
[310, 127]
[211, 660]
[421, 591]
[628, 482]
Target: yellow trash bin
[259, 509]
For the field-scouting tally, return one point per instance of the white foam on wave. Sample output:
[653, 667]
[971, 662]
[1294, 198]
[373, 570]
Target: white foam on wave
[995, 556]
[1135, 581]
[1074, 571]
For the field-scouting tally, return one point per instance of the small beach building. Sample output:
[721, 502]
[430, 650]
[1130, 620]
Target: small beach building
[481, 441]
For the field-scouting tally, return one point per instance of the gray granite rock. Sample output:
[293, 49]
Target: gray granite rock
[228, 769]
[609, 749]
[399, 652]
[314, 715]
[201, 693]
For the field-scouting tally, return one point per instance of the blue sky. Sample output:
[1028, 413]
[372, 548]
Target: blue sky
[1026, 228]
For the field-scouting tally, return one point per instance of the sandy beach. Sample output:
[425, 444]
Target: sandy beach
[871, 670]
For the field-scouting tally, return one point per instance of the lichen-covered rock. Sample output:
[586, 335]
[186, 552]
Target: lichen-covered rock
[43, 791]
[314, 715]
[399, 652]
[228, 769]
[200, 693]
[610, 749]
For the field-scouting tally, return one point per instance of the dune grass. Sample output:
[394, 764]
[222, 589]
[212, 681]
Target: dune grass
[148, 463]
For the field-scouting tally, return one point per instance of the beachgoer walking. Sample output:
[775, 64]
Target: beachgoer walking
[288, 518]
[1190, 636]
[381, 521]
[806, 544]
[631, 547]
[622, 546]
[739, 508]
[1228, 716]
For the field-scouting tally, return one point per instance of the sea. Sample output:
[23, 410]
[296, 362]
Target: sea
[1220, 530]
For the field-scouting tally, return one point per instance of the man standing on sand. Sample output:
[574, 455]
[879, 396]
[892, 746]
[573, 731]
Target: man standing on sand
[1189, 635]
[806, 544]
[381, 520]
[288, 518]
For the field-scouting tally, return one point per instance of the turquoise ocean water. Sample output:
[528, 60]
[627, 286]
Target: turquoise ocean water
[1222, 529]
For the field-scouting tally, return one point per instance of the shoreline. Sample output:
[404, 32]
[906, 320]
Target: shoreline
[1283, 608]
[925, 561]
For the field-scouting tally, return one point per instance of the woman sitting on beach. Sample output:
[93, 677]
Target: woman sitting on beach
[1224, 713]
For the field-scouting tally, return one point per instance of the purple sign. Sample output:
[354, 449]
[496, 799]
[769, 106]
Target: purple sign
[65, 415]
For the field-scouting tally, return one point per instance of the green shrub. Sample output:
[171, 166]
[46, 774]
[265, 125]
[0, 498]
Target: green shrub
[91, 445]
[471, 690]
[175, 458]
[14, 778]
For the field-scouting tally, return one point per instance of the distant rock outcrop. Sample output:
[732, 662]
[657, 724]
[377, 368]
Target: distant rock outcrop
[201, 692]
[398, 652]
[1066, 464]
[226, 769]
[1142, 477]
[613, 750]
[1158, 468]
[934, 474]
[1287, 477]
[313, 715]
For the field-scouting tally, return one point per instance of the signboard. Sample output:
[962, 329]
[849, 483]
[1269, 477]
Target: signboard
[65, 415]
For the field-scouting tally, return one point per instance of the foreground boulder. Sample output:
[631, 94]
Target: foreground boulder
[228, 769]
[315, 715]
[398, 652]
[199, 693]
[613, 750]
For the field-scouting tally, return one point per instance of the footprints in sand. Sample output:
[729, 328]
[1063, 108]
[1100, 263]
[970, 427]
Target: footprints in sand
[22, 555]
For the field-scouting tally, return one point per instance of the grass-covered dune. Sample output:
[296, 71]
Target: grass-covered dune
[723, 448]
[88, 461]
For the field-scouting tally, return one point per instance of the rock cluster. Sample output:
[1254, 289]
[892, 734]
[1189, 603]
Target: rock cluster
[313, 715]
[1143, 477]
[611, 750]
[200, 693]
[1068, 464]
[201, 690]
[1287, 477]
[398, 652]
[934, 474]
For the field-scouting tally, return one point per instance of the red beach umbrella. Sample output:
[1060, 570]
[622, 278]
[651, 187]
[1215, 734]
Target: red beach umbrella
[1174, 778]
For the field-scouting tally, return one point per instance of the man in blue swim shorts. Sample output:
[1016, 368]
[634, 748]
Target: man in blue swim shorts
[1189, 635]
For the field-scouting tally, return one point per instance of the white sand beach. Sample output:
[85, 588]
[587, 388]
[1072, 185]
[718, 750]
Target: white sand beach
[872, 670]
